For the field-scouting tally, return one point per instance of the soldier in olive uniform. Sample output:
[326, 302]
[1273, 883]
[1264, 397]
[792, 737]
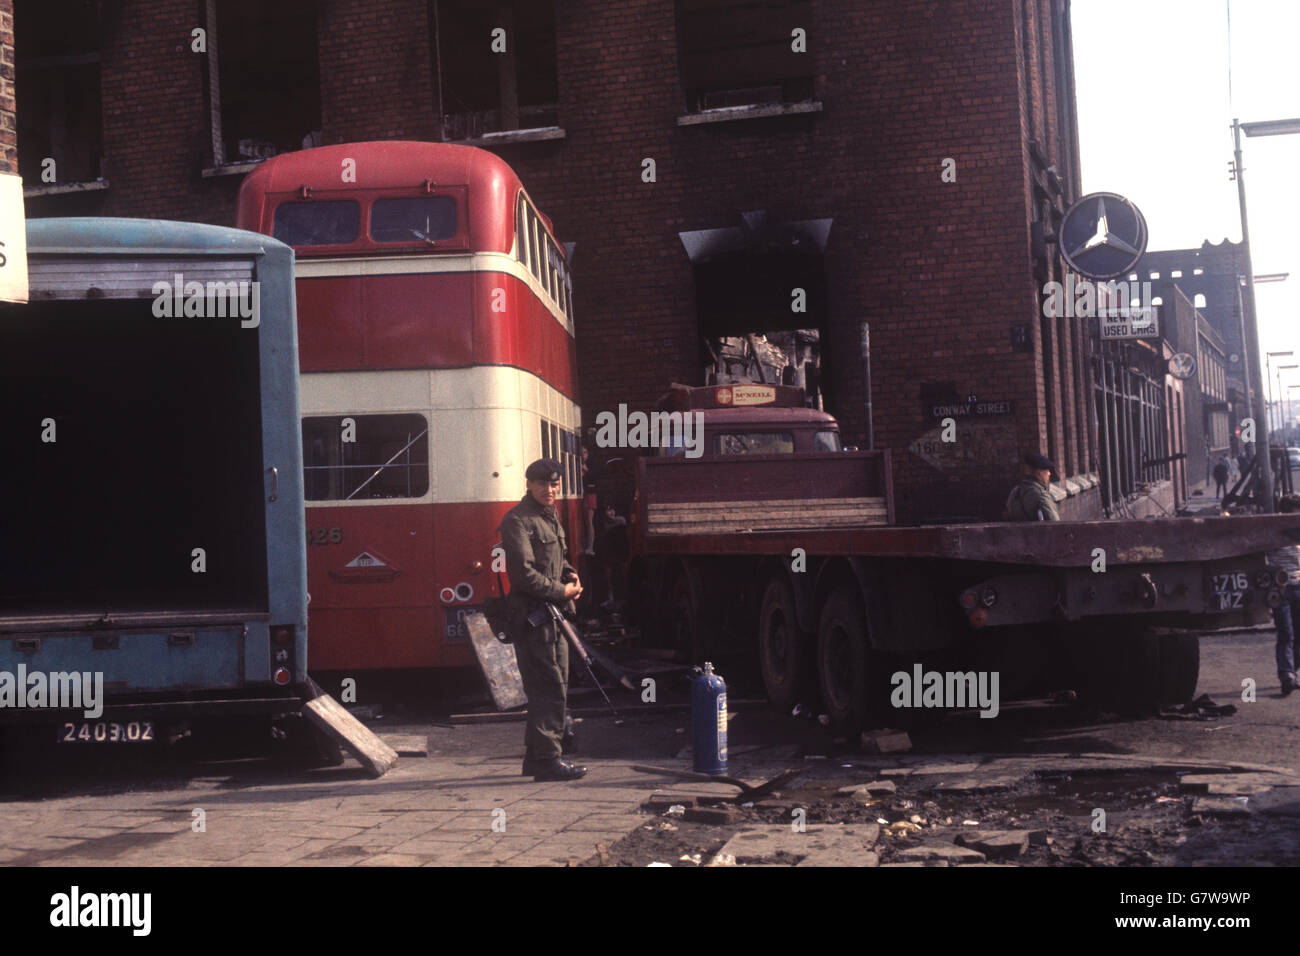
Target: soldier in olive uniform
[534, 544]
[1030, 500]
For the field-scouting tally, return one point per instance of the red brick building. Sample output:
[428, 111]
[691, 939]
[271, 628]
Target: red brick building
[719, 165]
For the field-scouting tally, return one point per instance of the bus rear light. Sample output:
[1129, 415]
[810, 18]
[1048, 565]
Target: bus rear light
[464, 591]
[282, 634]
[475, 567]
[1274, 599]
[1281, 578]
[968, 600]
[979, 617]
[281, 676]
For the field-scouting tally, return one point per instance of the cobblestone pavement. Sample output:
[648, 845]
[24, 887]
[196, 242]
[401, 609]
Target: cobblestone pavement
[466, 803]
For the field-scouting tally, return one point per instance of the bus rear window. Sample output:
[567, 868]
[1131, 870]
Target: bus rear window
[755, 443]
[362, 457]
[424, 217]
[333, 223]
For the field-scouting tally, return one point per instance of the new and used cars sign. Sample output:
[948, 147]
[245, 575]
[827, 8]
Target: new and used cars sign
[13, 240]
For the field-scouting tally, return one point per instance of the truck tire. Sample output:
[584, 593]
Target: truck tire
[1121, 670]
[785, 652]
[846, 667]
[1180, 667]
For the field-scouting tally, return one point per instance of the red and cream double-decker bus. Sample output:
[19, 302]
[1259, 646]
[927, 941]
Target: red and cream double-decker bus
[435, 339]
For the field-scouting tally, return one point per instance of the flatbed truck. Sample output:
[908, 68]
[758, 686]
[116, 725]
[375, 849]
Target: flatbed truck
[794, 556]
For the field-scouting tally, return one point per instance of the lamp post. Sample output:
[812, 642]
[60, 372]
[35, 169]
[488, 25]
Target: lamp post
[1268, 128]
[1268, 377]
[1280, 417]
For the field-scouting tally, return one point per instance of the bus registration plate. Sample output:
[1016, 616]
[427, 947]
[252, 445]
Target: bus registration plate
[106, 732]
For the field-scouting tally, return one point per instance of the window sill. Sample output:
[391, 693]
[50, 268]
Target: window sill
[232, 169]
[541, 134]
[727, 114]
[59, 189]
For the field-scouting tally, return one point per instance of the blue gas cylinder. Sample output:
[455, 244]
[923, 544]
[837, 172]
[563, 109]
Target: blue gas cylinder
[709, 721]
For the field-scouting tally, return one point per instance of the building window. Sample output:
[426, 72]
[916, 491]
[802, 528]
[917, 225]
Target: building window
[496, 66]
[741, 52]
[56, 60]
[1199, 301]
[263, 78]
[363, 457]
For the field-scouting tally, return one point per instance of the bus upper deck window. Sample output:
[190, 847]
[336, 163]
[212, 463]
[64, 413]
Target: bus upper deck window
[423, 217]
[332, 223]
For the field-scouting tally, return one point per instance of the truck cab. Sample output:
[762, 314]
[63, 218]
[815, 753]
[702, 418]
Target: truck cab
[744, 419]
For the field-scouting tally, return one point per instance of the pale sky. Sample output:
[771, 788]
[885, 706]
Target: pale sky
[1155, 125]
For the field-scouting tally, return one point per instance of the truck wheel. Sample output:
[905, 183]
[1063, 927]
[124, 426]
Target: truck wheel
[846, 667]
[684, 620]
[784, 651]
[1122, 672]
[1180, 667]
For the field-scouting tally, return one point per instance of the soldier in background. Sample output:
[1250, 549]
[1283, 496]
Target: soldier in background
[1030, 499]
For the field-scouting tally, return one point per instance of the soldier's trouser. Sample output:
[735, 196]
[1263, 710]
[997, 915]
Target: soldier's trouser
[543, 657]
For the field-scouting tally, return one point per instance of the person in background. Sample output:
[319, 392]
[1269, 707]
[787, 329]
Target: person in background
[1286, 616]
[590, 474]
[1030, 499]
[1221, 478]
[611, 552]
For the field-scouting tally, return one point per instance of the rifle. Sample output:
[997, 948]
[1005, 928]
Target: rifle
[566, 629]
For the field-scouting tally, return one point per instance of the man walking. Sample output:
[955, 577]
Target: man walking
[1286, 616]
[535, 546]
[1220, 477]
[1030, 499]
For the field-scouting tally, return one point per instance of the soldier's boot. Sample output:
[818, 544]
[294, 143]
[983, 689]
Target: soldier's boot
[557, 769]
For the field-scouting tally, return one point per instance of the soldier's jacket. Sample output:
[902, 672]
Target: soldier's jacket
[535, 547]
[1028, 498]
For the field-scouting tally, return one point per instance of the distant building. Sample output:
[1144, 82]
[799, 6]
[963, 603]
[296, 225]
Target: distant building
[1204, 396]
[1211, 277]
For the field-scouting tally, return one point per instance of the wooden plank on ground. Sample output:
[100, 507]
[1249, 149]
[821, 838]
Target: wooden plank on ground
[330, 716]
[497, 662]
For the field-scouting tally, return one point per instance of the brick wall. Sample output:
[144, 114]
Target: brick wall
[8, 127]
[940, 270]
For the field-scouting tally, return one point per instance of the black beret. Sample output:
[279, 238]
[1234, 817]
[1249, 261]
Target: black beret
[1035, 460]
[544, 469]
